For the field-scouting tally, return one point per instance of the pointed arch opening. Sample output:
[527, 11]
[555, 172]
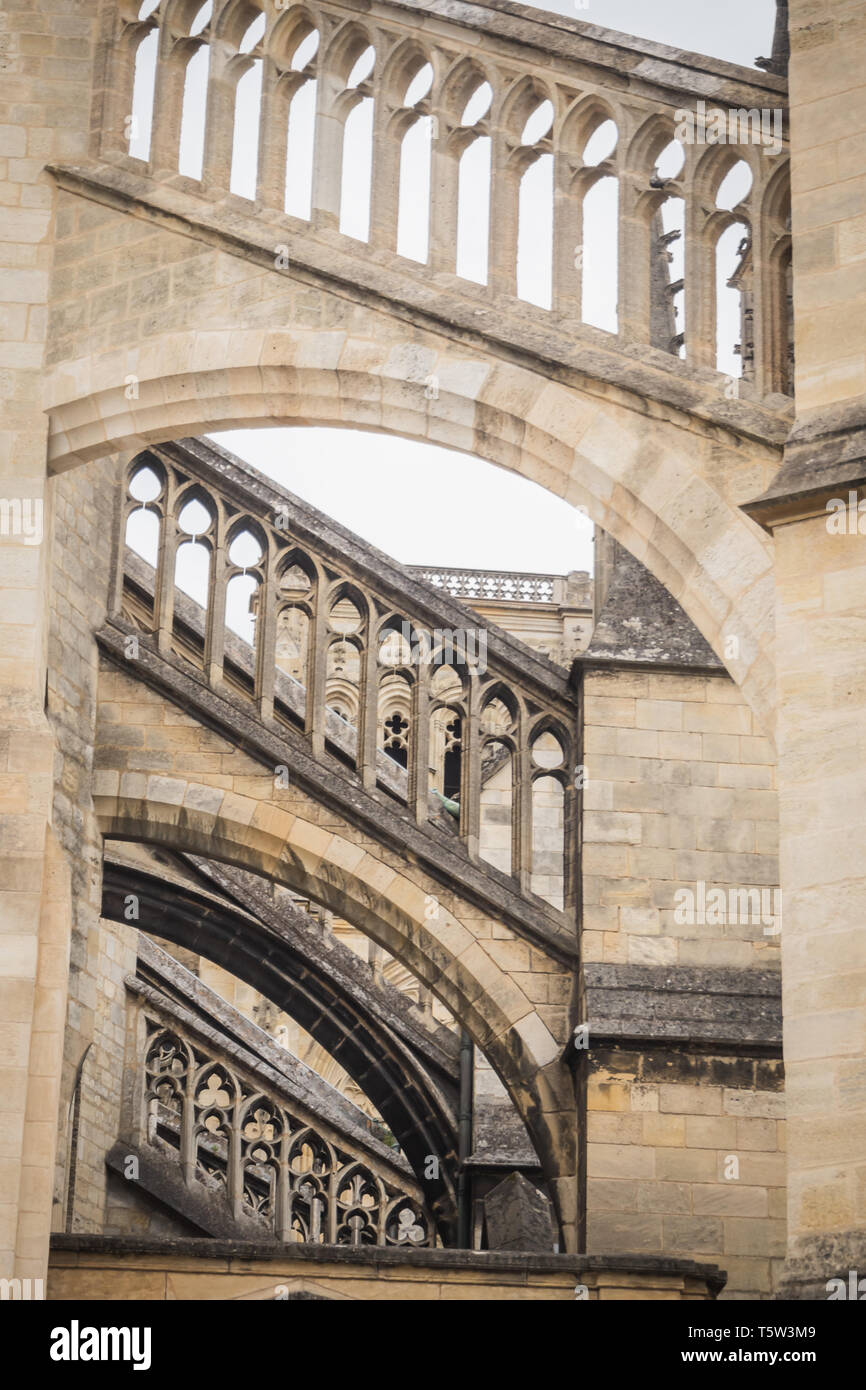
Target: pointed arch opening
[416, 154]
[535, 210]
[243, 180]
[300, 151]
[473, 210]
[193, 118]
[140, 123]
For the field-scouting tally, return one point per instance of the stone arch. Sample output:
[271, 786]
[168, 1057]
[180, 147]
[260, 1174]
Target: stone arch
[713, 166]
[665, 485]
[414, 1092]
[235, 19]
[464, 78]
[345, 47]
[442, 951]
[521, 99]
[583, 119]
[288, 33]
[648, 141]
[402, 64]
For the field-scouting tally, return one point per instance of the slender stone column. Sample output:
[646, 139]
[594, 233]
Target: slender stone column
[48, 76]
[821, 625]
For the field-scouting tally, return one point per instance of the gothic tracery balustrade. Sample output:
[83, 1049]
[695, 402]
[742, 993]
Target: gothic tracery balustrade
[271, 1164]
[491, 584]
[274, 604]
[321, 117]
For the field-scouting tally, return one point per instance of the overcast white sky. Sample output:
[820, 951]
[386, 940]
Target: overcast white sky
[422, 504]
[737, 30]
[426, 505]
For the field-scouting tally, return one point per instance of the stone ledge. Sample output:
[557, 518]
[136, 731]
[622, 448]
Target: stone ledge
[823, 456]
[716, 1007]
[569, 38]
[247, 1252]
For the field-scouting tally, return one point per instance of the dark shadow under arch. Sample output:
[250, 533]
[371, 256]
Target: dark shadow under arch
[416, 1095]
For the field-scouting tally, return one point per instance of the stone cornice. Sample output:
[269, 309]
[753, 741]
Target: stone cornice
[392, 1257]
[567, 41]
[825, 458]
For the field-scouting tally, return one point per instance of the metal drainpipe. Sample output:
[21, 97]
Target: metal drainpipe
[464, 1143]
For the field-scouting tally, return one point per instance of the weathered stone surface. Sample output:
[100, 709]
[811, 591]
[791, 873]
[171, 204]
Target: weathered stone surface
[639, 621]
[90, 1267]
[138, 306]
[631, 1002]
[517, 1216]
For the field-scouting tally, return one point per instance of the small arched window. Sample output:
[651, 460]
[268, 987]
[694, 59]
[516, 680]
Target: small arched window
[600, 244]
[194, 109]
[357, 166]
[733, 269]
[535, 212]
[248, 112]
[301, 138]
[473, 190]
[416, 149]
[140, 121]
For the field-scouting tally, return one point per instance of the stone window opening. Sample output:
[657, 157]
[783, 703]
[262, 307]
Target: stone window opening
[535, 208]
[600, 230]
[247, 115]
[473, 188]
[193, 118]
[356, 187]
[140, 121]
[416, 152]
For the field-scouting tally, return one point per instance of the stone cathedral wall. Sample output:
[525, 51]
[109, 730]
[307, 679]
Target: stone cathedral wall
[680, 791]
[685, 1140]
[102, 953]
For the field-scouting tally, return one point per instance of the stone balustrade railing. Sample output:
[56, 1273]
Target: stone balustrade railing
[325, 635]
[496, 585]
[205, 1111]
[519, 88]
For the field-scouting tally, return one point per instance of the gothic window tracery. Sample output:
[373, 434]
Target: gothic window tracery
[246, 595]
[270, 1166]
